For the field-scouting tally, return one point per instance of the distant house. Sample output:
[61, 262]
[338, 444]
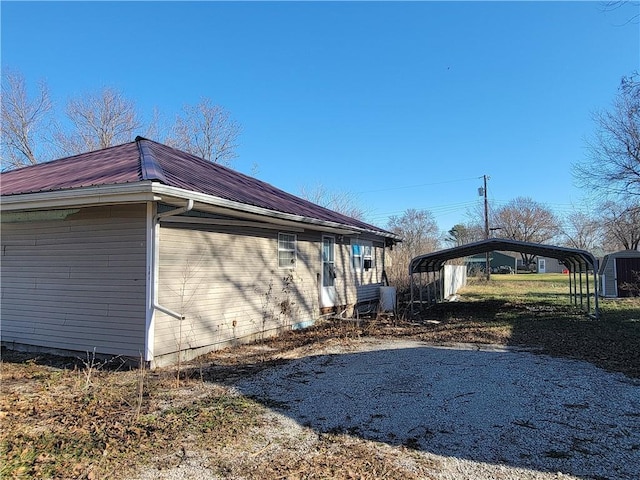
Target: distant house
[618, 269]
[507, 261]
[145, 251]
[497, 261]
[546, 265]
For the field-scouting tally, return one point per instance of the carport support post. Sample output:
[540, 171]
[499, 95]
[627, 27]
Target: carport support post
[595, 290]
[581, 296]
[570, 290]
[575, 289]
[428, 289]
[588, 294]
[420, 290]
[411, 288]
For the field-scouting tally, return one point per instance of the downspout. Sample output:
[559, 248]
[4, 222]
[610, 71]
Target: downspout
[156, 221]
[153, 273]
[177, 211]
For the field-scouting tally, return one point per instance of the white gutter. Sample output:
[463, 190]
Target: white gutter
[207, 199]
[138, 192]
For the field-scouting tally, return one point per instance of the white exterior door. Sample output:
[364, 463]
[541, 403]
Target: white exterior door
[542, 265]
[328, 280]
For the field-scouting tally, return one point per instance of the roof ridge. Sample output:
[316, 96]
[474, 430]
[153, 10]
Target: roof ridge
[149, 166]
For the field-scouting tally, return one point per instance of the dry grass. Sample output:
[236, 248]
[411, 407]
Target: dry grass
[70, 418]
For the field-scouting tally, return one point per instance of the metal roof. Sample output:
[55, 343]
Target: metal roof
[145, 160]
[572, 258]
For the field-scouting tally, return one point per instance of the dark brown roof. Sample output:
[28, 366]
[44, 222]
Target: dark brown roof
[110, 166]
[145, 160]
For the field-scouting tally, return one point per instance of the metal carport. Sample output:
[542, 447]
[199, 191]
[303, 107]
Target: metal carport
[576, 261]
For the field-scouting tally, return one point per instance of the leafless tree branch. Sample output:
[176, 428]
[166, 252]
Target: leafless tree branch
[207, 131]
[339, 201]
[25, 121]
[99, 121]
[613, 164]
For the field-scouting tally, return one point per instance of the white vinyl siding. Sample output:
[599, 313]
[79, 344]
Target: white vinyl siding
[357, 285]
[76, 282]
[228, 284]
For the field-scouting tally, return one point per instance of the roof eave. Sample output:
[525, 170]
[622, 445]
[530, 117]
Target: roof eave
[153, 191]
[166, 191]
[80, 197]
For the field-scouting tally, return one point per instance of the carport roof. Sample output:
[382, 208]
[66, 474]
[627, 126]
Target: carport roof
[571, 257]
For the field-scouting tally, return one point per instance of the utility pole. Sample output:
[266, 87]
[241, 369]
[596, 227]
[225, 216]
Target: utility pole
[486, 226]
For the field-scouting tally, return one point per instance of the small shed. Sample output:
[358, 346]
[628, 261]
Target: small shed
[618, 269]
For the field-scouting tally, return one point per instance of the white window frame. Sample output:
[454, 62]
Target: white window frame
[365, 252]
[288, 238]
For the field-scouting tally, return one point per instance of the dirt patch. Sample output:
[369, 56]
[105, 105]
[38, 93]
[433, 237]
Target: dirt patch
[63, 420]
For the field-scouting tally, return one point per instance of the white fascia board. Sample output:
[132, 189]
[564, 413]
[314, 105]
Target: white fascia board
[274, 216]
[138, 192]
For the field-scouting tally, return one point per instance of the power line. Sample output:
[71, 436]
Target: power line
[436, 211]
[419, 185]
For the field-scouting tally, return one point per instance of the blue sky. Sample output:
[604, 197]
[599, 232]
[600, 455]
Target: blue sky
[405, 104]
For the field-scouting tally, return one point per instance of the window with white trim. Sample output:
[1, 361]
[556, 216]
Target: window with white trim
[362, 255]
[287, 253]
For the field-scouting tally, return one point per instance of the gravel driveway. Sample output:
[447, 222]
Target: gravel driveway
[493, 407]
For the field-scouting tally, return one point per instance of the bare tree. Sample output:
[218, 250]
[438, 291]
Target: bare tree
[32, 132]
[581, 230]
[25, 122]
[613, 164]
[98, 121]
[337, 200]
[206, 130]
[463, 233]
[610, 6]
[526, 220]
[420, 234]
[622, 225]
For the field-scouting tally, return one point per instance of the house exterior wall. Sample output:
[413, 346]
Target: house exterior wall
[553, 265]
[227, 283]
[74, 280]
[360, 284]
